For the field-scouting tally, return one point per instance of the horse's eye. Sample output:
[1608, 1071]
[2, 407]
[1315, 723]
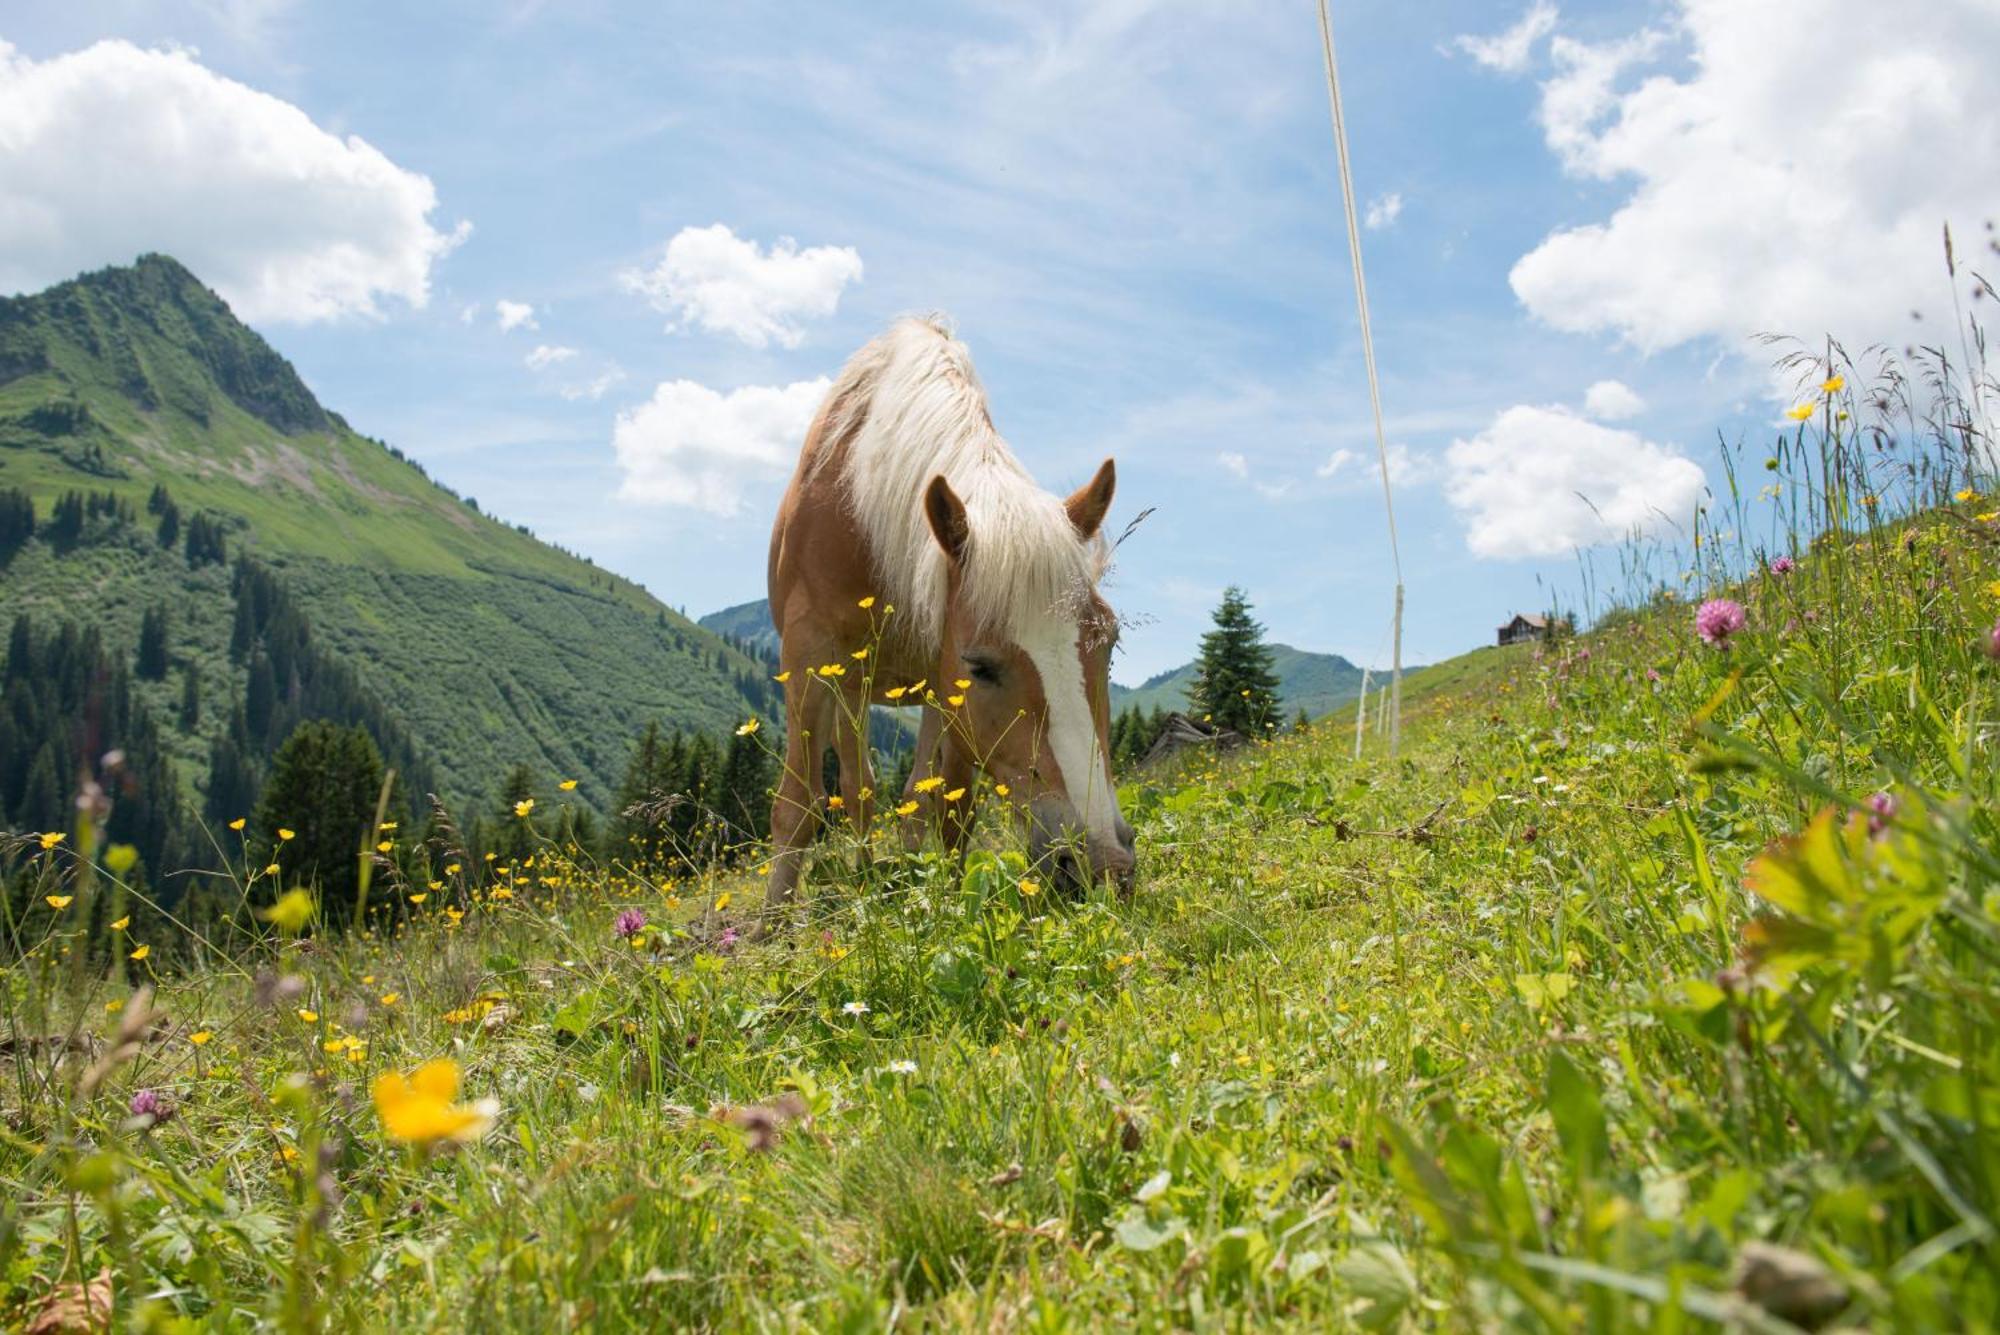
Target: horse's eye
[983, 670]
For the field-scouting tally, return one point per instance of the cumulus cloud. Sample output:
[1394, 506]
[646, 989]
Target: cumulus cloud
[1509, 51]
[1234, 464]
[1793, 180]
[692, 445]
[1544, 481]
[1383, 210]
[712, 279]
[114, 150]
[512, 315]
[546, 355]
[1612, 401]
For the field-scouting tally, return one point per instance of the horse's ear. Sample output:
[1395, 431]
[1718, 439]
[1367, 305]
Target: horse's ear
[1090, 501]
[947, 515]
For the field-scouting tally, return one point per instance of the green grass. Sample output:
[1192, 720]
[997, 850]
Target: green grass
[1652, 986]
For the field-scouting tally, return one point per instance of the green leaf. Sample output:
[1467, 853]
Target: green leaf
[1137, 1233]
[1578, 1113]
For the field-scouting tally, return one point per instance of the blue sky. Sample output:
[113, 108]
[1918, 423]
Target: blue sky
[1129, 207]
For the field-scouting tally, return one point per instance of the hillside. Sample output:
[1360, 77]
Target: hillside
[1688, 933]
[1310, 681]
[489, 646]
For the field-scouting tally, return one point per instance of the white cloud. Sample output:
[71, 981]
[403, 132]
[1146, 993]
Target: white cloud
[711, 278]
[1510, 51]
[546, 355]
[594, 388]
[1793, 181]
[1234, 464]
[512, 315]
[691, 445]
[1407, 467]
[1336, 462]
[112, 151]
[1383, 210]
[1612, 401]
[1544, 481]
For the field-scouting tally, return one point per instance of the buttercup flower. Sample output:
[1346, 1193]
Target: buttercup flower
[422, 1109]
[1718, 619]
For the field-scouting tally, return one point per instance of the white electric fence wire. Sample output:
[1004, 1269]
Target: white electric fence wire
[1368, 355]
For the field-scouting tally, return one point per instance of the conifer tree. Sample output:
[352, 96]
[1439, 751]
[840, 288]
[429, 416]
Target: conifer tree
[325, 782]
[1234, 685]
[151, 661]
[190, 715]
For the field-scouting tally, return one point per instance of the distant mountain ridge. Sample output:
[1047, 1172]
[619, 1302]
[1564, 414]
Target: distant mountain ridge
[485, 644]
[1315, 682]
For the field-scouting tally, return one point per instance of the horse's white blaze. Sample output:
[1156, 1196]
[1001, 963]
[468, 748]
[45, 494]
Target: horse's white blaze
[1072, 729]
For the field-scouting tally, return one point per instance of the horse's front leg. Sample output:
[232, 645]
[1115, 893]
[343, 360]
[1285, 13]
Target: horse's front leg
[795, 809]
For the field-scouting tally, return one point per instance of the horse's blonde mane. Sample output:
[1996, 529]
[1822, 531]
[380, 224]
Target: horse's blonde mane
[909, 407]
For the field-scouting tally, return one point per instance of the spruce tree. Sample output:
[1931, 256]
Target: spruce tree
[516, 836]
[151, 663]
[1234, 685]
[325, 781]
[190, 716]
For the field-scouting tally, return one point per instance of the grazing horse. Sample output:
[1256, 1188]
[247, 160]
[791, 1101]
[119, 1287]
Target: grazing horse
[907, 498]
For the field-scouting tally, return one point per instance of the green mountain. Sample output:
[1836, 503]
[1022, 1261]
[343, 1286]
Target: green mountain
[1315, 682]
[138, 388]
[747, 625]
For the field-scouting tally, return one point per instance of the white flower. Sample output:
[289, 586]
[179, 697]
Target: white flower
[855, 1008]
[903, 1067]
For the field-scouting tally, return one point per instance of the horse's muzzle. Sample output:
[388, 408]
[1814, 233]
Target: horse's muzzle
[1064, 849]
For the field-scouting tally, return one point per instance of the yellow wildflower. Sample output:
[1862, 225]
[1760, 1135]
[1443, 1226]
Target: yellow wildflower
[451, 869]
[58, 902]
[238, 824]
[722, 901]
[1002, 789]
[271, 869]
[122, 923]
[1965, 495]
[310, 1017]
[833, 669]
[140, 953]
[1030, 889]
[895, 692]
[954, 700]
[748, 728]
[285, 835]
[200, 1038]
[907, 809]
[963, 683]
[51, 839]
[524, 806]
[929, 785]
[291, 912]
[954, 795]
[836, 801]
[390, 998]
[422, 1108]
[1834, 384]
[783, 677]
[866, 603]
[385, 846]
[1802, 412]
[420, 896]
[918, 685]
[567, 785]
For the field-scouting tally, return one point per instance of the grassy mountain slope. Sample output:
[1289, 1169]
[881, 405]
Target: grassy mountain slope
[1310, 681]
[492, 646]
[747, 623]
[1548, 1025]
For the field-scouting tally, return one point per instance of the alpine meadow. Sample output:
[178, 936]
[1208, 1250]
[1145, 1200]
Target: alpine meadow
[389, 934]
